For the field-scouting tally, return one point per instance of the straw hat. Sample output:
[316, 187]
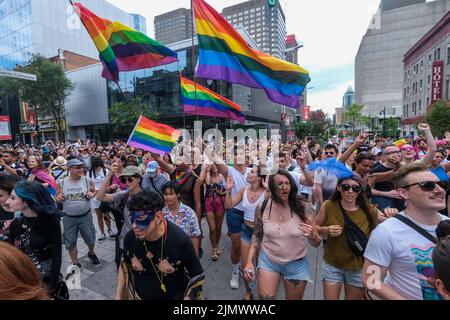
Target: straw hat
[60, 161]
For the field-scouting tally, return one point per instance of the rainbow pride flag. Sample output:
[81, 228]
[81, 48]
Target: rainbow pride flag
[199, 100]
[225, 55]
[122, 48]
[153, 136]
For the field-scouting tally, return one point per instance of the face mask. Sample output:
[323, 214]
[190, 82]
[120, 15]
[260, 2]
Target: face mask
[142, 218]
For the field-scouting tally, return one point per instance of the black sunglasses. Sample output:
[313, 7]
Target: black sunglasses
[428, 185]
[347, 187]
[327, 153]
[129, 179]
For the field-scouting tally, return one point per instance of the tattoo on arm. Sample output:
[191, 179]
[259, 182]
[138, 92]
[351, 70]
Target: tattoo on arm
[258, 232]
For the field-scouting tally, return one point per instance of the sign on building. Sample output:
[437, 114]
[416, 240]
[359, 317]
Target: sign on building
[306, 114]
[44, 126]
[437, 81]
[5, 132]
[17, 75]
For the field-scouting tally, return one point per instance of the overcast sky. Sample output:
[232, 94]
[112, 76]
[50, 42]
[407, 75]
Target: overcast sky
[330, 31]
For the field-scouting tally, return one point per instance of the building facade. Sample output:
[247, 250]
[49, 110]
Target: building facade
[264, 20]
[426, 76]
[349, 98]
[173, 26]
[47, 27]
[140, 23]
[397, 25]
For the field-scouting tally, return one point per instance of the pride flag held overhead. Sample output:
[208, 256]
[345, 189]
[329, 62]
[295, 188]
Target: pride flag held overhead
[198, 100]
[122, 48]
[153, 136]
[225, 55]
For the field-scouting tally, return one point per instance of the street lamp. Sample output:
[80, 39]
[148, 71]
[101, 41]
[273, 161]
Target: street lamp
[384, 121]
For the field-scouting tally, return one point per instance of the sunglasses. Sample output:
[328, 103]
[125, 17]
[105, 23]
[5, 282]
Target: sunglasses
[408, 149]
[428, 186]
[329, 153]
[347, 187]
[125, 179]
[392, 152]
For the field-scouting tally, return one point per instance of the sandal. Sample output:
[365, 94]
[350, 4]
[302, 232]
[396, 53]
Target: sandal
[218, 251]
[214, 256]
[248, 298]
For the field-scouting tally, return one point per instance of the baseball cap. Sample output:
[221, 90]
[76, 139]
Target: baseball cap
[152, 166]
[131, 171]
[75, 162]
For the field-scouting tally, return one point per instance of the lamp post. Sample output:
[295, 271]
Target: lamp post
[384, 121]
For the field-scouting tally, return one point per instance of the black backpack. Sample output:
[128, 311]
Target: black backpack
[356, 238]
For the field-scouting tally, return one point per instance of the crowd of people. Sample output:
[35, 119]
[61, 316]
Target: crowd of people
[384, 226]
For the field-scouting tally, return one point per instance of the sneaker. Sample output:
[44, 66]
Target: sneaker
[93, 257]
[102, 238]
[112, 236]
[234, 282]
[71, 270]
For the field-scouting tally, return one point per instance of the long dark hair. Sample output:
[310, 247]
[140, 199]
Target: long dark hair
[361, 200]
[37, 197]
[95, 163]
[295, 203]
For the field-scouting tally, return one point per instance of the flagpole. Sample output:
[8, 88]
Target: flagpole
[134, 129]
[192, 58]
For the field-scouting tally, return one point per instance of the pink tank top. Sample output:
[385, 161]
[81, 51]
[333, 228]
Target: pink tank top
[283, 241]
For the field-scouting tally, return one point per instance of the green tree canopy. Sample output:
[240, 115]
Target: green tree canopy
[317, 126]
[46, 95]
[124, 115]
[438, 117]
[353, 115]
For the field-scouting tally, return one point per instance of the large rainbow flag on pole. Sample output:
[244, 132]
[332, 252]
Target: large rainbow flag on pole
[153, 136]
[199, 100]
[225, 55]
[122, 48]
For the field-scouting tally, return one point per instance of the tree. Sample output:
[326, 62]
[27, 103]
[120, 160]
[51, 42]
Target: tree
[353, 115]
[438, 117]
[392, 127]
[317, 126]
[46, 95]
[124, 115]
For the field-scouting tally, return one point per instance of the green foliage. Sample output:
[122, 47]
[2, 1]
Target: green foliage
[46, 95]
[354, 115]
[392, 127]
[124, 115]
[317, 127]
[438, 117]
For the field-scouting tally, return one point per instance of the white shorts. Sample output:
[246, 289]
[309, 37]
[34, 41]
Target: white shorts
[95, 204]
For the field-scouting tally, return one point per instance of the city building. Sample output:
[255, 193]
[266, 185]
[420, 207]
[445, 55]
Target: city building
[396, 26]
[173, 26]
[47, 27]
[292, 48]
[338, 115]
[264, 20]
[426, 76]
[140, 23]
[349, 98]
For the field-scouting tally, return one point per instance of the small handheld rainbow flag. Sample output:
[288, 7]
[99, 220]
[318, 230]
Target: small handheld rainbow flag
[153, 136]
[122, 48]
[400, 143]
[199, 100]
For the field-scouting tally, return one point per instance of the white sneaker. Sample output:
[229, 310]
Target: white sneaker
[234, 282]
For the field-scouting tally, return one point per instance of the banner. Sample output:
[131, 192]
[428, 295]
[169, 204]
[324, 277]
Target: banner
[5, 132]
[306, 114]
[437, 81]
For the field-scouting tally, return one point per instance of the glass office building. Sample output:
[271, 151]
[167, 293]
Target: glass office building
[140, 23]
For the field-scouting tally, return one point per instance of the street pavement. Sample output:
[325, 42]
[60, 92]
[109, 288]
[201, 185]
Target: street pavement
[99, 282]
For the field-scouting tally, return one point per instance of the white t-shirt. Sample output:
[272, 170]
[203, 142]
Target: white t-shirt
[407, 255]
[240, 182]
[99, 178]
[328, 182]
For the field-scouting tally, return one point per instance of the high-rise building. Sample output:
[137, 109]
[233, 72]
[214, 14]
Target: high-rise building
[292, 47]
[396, 27]
[140, 23]
[349, 98]
[173, 26]
[264, 20]
[33, 26]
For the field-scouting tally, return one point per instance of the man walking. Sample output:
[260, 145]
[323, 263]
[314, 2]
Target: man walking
[75, 193]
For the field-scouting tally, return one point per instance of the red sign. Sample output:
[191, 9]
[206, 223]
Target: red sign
[5, 132]
[306, 115]
[437, 81]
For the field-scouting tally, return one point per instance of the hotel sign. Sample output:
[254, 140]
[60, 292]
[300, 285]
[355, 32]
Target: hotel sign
[437, 81]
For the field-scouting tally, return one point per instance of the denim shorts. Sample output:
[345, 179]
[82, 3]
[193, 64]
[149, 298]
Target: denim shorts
[246, 234]
[333, 274]
[235, 219]
[294, 270]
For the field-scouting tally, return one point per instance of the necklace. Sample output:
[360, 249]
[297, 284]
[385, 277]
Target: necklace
[251, 197]
[149, 256]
